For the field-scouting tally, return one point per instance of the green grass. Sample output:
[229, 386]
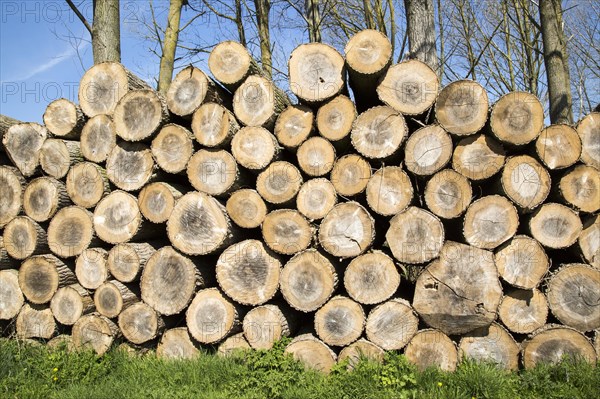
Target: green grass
[28, 371]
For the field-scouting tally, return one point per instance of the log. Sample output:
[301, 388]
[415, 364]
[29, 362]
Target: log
[491, 344]
[316, 198]
[140, 323]
[432, 348]
[70, 303]
[371, 278]
[428, 150]
[294, 125]
[112, 297]
[11, 296]
[552, 343]
[415, 236]
[247, 273]
[316, 72]
[389, 191]
[558, 146]
[574, 296]
[589, 241]
[230, 63]
[522, 262]
[279, 183]
[117, 218]
[523, 311]
[98, 138]
[588, 130]
[478, 157]
[172, 148]
[555, 226]
[460, 291]
[347, 231]
[335, 119]
[580, 187]
[246, 208]
[157, 200]
[233, 345]
[410, 87]
[62, 342]
[130, 165]
[316, 156]
[359, 351]
[24, 237]
[286, 231]
[35, 322]
[462, 107]
[213, 172]
[7, 261]
[448, 194]
[340, 321]
[490, 221]
[64, 119]
[57, 156]
[308, 280]
[392, 324]
[258, 102]
[43, 197]
[71, 231]
[11, 196]
[254, 148]
[91, 268]
[211, 317]
[191, 88]
[176, 343]
[525, 182]
[95, 332]
[350, 175]
[5, 123]
[378, 133]
[312, 353]
[517, 118]
[214, 125]
[22, 143]
[41, 276]
[266, 324]
[126, 261]
[86, 184]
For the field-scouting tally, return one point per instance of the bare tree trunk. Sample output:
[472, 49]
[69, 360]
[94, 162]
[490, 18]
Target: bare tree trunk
[239, 22]
[313, 18]
[169, 46]
[106, 32]
[421, 31]
[262, 22]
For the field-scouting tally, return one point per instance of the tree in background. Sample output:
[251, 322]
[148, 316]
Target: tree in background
[169, 45]
[420, 28]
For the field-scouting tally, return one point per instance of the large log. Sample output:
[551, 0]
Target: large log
[112, 297]
[176, 343]
[11, 296]
[91, 268]
[258, 102]
[214, 172]
[70, 303]
[432, 348]
[588, 130]
[379, 132]
[491, 344]
[140, 323]
[427, 150]
[230, 63]
[279, 183]
[95, 332]
[448, 194]
[522, 262]
[254, 148]
[117, 218]
[517, 118]
[246, 208]
[157, 200]
[392, 324]
[371, 278]
[86, 184]
[41, 276]
[589, 241]
[525, 181]
[478, 157]
[211, 317]
[312, 352]
[23, 142]
[266, 324]
[214, 125]
[191, 88]
[555, 226]
[43, 197]
[126, 261]
[35, 321]
[490, 221]
[340, 321]
[294, 125]
[558, 146]
[316, 156]
[462, 107]
[11, 195]
[335, 119]
[523, 311]
[350, 175]
[172, 148]
[347, 231]
[98, 137]
[580, 187]
[23, 237]
[130, 165]
[286, 231]
[552, 343]
[64, 119]
[359, 351]
[316, 198]
[71, 231]
[389, 191]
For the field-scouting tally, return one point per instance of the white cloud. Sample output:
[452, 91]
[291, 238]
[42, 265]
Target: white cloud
[67, 54]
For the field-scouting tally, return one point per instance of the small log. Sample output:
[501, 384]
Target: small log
[126, 261]
[448, 194]
[580, 188]
[523, 311]
[460, 291]
[70, 303]
[176, 343]
[23, 142]
[316, 156]
[316, 198]
[462, 107]
[294, 125]
[172, 148]
[308, 280]
[312, 353]
[11, 195]
[91, 268]
[112, 297]
[96, 332]
[574, 296]
[589, 241]
[359, 351]
[213, 172]
[350, 175]
[140, 323]
[478, 157]
[214, 125]
[117, 218]
[335, 118]
[62, 342]
[57, 156]
[392, 324]
[427, 150]
[98, 138]
[371, 278]
[230, 63]
[316, 72]
[246, 208]
[86, 184]
[279, 183]
[157, 200]
[389, 191]
[410, 87]
[24, 237]
[266, 324]
[286, 231]
[432, 348]
[64, 119]
[11, 296]
[555, 226]
[490, 221]
[71, 231]
[558, 146]
[234, 344]
[588, 130]
[254, 148]
[379, 132]
[43, 197]
[415, 236]
[552, 343]
[41, 276]
[211, 317]
[258, 102]
[517, 118]
[491, 344]
[247, 273]
[191, 88]
[522, 262]
[130, 165]
[347, 231]
[5, 123]
[525, 181]
[340, 321]
[35, 322]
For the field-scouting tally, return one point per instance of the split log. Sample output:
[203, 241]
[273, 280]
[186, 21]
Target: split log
[359, 351]
[246, 208]
[258, 102]
[230, 63]
[432, 348]
[91, 268]
[389, 191]
[191, 88]
[558, 146]
[552, 343]
[589, 241]
[316, 198]
[379, 132]
[312, 352]
[335, 119]
[140, 323]
[71, 231]
[415, 236]
[580, 188]
[11, 195]
[5, 123]
[347, 231]
[478, 157]
[70, 303]
[392, 324]
[130, 165]
[490, 221]
[574, 296]
[308, 280]
[35, 322]
[247, 273]
[176, 343]
[96, 332]
[266, 324]
[555, 226]
[410, 87]
[491, 344]
[43, 197]
[316, 156]
[350, 175]
[517, 118]
[427, 150]
[460, 291]
[126, 261]
[448, 194]
[11, 296]
[316, 72]
[294, 125]
[462, 107]
[41, 276]
[213, 172]
[254, 148]
[234, 344]
[211, 317]
[371, 278]
[117, 218]
[172, 148]
[86, 184]
[523, 311]
[64, 119]
[588, 130]
[57, 156]
[157, 200]
[522, 262]
[279, 183]
[23, 142]
[525, 181]
[340, 321]
[286, 231]
[98, 138]
[214, 125]
[23, 237]
[112, 298]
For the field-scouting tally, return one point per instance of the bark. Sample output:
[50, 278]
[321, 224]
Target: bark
[262, 9]
[421, 31]
[106, 31]
[169, 46]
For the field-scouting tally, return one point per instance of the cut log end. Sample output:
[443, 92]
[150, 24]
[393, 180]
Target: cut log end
[43, 197]
[70, 231]
[176, 344]
[286, 231]
[211, 317]
[57, 156]
[517, 118]
[392, 324]
[558, 146]
[580, 187]
[555, 226]
[140, 323]
[91, 268]
[258, 102]
[525, 181]
[589, 241]
[340, 321]
[35, 322]
[448, 194]
[350, 175]
[130, 165]
[214, 172]
[96, 332]
[24, 237]
[462, 107]
[11, 195]
[359, 351]
[172, 148]
[246, 208]
[490, 221]
[491, 344]
[316, 198]
[378, 132]
[23, 143]
[11, 296]
[112, 298]
[348, 230]
[98, 138]
[233, 345]
[230, 63]
[523, 311]
[157, 200]
[254, 148]
[279, 182]
[552, 343]
[312, 352]
[589, 133]
[70, 303]
[478, 157]
[63, 118]
[264, 325]
[126, 261]
[117, 217]
[214, 125]
[41, 276]
[86, 184]
[294, 125]
[368, 52]
[522, 262]
[432, 348]
[316, 156]
[389, 191]
[371, 278]
[427, 150]
[187, 91]
[335, 118]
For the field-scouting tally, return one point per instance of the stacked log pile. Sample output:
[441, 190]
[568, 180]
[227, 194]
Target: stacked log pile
[404, 216]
